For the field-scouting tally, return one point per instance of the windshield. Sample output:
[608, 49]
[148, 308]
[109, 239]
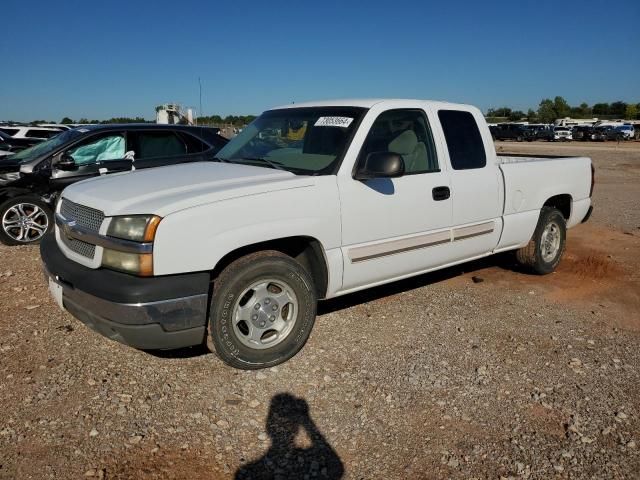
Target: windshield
[309, 141]
[46, 147]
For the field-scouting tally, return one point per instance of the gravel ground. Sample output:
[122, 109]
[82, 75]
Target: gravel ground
[480, 371]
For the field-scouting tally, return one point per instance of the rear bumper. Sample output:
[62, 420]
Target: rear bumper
[146, 313]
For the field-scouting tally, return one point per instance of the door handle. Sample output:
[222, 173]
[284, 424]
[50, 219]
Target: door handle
[440, 193]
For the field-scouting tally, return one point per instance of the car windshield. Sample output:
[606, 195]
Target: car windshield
[46, 147]
[305, 141]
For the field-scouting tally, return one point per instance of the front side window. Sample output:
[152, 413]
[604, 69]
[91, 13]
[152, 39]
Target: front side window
[306, 141]
[105, 148]
[466, 148]
[407, 133]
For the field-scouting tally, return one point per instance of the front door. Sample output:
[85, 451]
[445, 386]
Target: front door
[395, 227]
[99, 154]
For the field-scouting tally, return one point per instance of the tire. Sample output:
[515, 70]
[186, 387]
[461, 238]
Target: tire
[518, 139]
[244, 289]
[24, 220]
[542, 254]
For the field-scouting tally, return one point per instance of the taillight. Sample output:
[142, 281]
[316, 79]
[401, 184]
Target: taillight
[593, 179]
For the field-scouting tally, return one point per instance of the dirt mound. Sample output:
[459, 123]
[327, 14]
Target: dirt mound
[590, 264]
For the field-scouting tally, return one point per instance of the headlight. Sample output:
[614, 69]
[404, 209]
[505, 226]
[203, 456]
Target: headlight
[134, 228]
[136, 263]
[137, 228]
[9, 177]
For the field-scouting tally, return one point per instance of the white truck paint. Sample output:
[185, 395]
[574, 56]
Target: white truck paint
[371, 231]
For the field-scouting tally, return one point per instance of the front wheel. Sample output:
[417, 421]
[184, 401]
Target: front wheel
[262, 311]
[544, 251]
[25, 220]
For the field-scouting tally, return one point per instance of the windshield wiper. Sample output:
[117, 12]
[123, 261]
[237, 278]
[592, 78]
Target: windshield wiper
[271, 163]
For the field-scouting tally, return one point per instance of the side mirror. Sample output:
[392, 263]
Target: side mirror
[381, 165]
[66, 162]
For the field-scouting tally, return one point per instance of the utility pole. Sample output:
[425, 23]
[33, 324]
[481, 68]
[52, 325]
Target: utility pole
[201, 114]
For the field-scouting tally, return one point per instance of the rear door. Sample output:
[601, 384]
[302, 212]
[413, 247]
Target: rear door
[395, 227]
[155, 148]
[476, 183]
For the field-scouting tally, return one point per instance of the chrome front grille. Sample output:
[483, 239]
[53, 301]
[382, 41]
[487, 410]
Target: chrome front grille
[84, 216]
[78, 246]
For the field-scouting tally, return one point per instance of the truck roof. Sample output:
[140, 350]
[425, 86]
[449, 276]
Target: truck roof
[370, 102]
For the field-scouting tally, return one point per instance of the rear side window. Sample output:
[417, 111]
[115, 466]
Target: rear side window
[192, 144]
[466, 148]
[158, 144]
[9, 131]
[41, 133]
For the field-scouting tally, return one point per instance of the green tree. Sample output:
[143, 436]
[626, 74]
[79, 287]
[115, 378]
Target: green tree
[618, 108]
[585, 110]
[516, 115]
[631, 112]
[546, 112]
[531, 115]
[601, 109]
[561, 107]
[66, 121]
[499, 112]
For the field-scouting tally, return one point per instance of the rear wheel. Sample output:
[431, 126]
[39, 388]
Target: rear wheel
[24, 220]
[544, 251]
[262, 311]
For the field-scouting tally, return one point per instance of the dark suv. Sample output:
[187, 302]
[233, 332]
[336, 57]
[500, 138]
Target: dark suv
[509, 131]
[31, 180]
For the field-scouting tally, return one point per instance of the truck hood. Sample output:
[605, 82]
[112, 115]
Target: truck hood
[165, 190]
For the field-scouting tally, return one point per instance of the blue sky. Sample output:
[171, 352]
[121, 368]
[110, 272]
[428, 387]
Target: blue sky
[121, 58]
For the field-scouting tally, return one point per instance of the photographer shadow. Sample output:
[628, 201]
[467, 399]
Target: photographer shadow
[288, 416]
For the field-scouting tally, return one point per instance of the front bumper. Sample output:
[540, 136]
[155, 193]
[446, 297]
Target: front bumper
[147, 313]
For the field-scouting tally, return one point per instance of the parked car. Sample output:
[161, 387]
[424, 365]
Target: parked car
[627, 132]
[36, 134]
[604, 133]
[545, 133]
[509, 131]
[562, 134]
[31, 180]
[10, 145]
[582, 132]
[236, 253]
[59, 126]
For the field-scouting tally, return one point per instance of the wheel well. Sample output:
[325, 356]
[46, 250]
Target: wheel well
[562, 203]
[306, 250]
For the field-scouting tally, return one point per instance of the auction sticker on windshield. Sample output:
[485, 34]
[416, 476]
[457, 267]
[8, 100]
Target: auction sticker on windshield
[343, 122]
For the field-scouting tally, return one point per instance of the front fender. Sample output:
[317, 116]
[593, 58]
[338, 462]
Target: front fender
[195, 239]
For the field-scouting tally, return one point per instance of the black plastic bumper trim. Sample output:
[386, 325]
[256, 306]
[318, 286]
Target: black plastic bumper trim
[145, 337]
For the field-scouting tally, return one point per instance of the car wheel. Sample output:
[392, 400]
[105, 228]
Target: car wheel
[24, 220]
[262, 311]
[544, 251]
[518, 138]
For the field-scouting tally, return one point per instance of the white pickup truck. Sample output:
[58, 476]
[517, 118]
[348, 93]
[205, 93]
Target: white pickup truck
[309, 202]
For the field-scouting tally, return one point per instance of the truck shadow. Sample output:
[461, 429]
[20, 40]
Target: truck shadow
[504, 261]
[288, 417]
